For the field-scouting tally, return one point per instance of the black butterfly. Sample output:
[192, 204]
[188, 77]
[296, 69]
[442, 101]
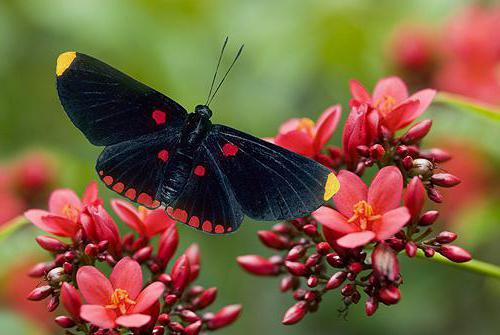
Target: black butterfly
[206, 175]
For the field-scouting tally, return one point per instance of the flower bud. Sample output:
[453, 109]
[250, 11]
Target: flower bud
[411, 249]
[445, 237]
[258, 265]
[56, 276]
[189, 316]
[194, 328]
[435, 155]
[389, 295]
[428, 218]
[335, 260]
[414, 197]
[272, 240]
[143, 254]
[371, 306]
[193, 254]
[312, 260]
[322, 248]
[429, 252]
[51, 244]
[171, 299]
[402, 150]
[163, 319]
[176, 327]
[347, 290]
[91, 250]
[296, 253]
[158, 330]
[336, 280]
[297, 269]
[421, 167]
[377, 151]
[167, 245]
[363, 150]
[417, 132]
[41, 269]
[68, 268]
[295, 313]
[224, 317]
[40, 293]
[407, 162]
[64, 321]
[455, 254]
[286, 283]
[180, 274]
[385, 263]
[312, 281]
[53, 303]
[435, 195]
[310, 229]
[445, 180]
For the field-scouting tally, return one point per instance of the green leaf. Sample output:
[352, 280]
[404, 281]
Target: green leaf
[10, 227]
[458, 101]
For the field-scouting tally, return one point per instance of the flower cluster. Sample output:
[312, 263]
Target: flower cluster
[167, 301]
[353, 243]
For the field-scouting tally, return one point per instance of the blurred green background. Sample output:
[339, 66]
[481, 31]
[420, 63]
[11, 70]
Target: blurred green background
[298, 58]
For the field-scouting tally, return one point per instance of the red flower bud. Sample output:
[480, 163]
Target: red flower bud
[296, 268]
[407, 162]
[91, 250]
[180, 274]
[428, 218]
[51, 244]
[377, 151]
[385, 263]
[286, 283]
[335, 260]
[41, 269]
[258, 265]
[176, 327]
[411, 249]
[417, 132]
[347, 290]
[445, 237]
[64, 321]
[435, 195]
[310, 229]
[414, 197]
[158, 330]
[312, 281]
[71, 300]
[371, 306]
[295, 313]
[429, 252]
[389, 295]
[312, 260]
[363, 150]
[402, 150]
[455, 254]
[194, 328]
[143, 254]
[163, 319]
[68, 268]
[171, 299]
[445, 180]
[165, 278]
[296, 253]
[272, 240]
[167, 245]
[189, 316]
[435, 155]
[40, 293]
[205, 299]
[336, 280]
[322, 248]
[53, 303]
[193, 254]
[225, 316]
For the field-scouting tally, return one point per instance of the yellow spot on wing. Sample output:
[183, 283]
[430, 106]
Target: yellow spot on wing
[64, 61]
[332, 186]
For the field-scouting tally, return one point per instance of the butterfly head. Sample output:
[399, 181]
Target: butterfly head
[204, 111]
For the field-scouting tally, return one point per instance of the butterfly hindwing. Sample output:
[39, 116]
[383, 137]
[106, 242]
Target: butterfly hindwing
[268, 181]
[107, 105]
[135, 168]
[207, 201]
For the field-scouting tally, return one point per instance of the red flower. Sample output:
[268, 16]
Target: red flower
[305, 137]
[65, 208]
[146, 222]
[119, 301]
[365, 214]
[390, 98]
[100, 226]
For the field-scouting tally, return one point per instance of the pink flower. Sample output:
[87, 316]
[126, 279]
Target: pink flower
[305, 137]
[390, 98]
[144, 221]
[65, 207]
[119, 301]
[99, 226]
[364, 214]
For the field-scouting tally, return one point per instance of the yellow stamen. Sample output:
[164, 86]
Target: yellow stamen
[307, 125]
[120, 301]
[332, 186]
[385, 104]
[143, 212]
[71, 212]
[363, 214]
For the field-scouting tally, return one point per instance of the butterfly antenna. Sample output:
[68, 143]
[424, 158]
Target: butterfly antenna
[225, 75]
[217, 68]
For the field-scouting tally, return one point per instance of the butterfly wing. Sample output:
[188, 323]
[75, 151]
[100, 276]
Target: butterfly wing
[135, 168]
[268, 181]
[107, 105]
[207, 202]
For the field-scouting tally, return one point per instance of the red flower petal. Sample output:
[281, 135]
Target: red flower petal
[327, 123]
[98, 316]
[133, 320]
[71, 300]
[391, 223]
[297, 141]
[94, 286]
[359, 92]
[90, 195]
[385, 190]
[333, 220]
[390, 87]
[129, 215]
[157, 221]
[127, 275]
[50, 223]
[424, 97]
[289, 125]
[352, 190]
[61, 198]
[415, 196]
[148, 297]
[401, 116]
[354, 240]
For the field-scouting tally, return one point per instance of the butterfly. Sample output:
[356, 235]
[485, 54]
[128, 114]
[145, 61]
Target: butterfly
[206, 175]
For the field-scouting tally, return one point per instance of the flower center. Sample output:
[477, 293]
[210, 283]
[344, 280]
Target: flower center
[362, 213]
[385, 104]
[71, 212]
[120, 301]
[307, 125]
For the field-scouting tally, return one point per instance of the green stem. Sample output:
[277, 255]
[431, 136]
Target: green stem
[11, 226]
[479, 267]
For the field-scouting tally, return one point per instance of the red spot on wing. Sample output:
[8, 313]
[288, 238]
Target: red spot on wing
[194, 221]
[101, 173]
[199, 170]
[156, 203]
[145, 199]
[180, 215]
[229, 229]
[170, 211]
[163, 155]
[229, 149]
[118, 187]
[159, 116]
[108, 180]
[131, 193]
[207, 226]
[219, 229]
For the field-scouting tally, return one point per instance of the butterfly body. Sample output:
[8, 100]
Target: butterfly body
[207, 176]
